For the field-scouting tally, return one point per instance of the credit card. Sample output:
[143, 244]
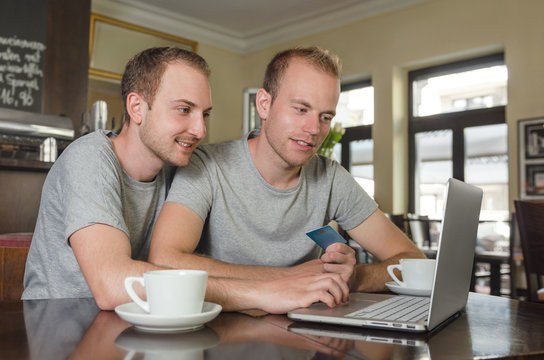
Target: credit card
[325, 236]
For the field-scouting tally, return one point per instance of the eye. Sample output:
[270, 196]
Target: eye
[327, 117]
[207, 115]
[300, 110]
[184, 110]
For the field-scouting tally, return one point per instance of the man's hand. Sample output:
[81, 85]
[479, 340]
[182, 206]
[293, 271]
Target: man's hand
[282, 295]
[340, 259]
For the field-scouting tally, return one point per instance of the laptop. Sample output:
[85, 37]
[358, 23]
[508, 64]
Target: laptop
[455, 341]
[451, 282]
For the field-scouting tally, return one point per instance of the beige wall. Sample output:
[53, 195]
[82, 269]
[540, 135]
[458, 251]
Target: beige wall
[384, 48]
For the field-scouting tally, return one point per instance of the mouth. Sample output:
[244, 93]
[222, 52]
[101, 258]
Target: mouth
[304, 144]
[185, 145]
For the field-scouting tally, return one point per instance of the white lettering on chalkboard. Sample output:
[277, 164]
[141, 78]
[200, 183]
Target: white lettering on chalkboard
[20, 71]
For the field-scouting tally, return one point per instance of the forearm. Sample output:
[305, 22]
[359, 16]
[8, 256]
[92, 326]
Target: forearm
[216, 268]
[277, 296]
[372, 277]
[233, 294]
[103, 255]
[108, 284]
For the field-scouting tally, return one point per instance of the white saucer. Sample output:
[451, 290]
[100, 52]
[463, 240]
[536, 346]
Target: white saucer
[393, 286]
[135, 315]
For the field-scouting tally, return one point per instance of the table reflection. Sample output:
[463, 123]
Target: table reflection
[77, 329]
[491, 326]
[54, 328]
[185, 345]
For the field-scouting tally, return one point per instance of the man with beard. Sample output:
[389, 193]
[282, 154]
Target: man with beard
[102, 196]
[241, 208]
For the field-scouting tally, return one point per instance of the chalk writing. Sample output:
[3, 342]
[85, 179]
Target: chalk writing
[21, 74]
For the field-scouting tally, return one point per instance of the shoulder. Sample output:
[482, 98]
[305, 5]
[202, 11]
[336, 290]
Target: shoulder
[89, 154]
[218, 152]
[96, 142]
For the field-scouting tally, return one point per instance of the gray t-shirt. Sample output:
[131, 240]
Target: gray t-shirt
[87, 186]
[248, 221]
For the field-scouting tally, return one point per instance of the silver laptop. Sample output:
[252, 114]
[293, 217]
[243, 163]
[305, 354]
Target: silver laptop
[451, 283]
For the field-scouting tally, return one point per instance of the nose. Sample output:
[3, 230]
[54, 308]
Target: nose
[198, 127]
[311, 125]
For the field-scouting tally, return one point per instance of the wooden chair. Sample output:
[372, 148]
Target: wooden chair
[13, 252]
[529, 217]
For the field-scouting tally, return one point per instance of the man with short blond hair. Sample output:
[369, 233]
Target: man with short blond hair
[244, 206]
[101, 197]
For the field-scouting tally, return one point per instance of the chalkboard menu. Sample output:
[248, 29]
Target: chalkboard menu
[22, 53]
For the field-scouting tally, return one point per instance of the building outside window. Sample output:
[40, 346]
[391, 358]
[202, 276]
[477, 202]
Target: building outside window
[355, 111]
[458, 129]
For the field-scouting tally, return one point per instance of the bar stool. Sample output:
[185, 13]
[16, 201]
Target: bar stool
[13, 252]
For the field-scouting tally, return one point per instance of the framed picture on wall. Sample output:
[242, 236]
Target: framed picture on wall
[531, 158]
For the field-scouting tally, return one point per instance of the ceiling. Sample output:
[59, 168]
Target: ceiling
[243, 25]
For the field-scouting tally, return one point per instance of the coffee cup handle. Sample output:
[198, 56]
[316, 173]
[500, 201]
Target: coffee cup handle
[130, 290]
[390, 269]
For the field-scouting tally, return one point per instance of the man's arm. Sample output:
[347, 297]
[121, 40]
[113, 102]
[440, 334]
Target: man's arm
[176, 235]
[280, 295]
[387, 243]
[241, 287]
[103, 253]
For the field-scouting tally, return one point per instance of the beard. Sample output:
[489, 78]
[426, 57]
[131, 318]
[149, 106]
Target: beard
[281, 149]
[163, 147]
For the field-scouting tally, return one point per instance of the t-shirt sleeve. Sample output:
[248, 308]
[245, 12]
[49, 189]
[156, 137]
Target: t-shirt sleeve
[351, 203]
[192, 186]
[91, 191]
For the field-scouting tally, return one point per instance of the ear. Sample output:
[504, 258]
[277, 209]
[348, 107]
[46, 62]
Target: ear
[263, 101]
[136, 107]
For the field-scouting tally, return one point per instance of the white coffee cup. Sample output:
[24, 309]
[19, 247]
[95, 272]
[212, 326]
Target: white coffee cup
[416, 273]
[170, 292]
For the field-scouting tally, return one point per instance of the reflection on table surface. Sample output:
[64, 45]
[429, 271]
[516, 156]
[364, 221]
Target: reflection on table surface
[75, 328]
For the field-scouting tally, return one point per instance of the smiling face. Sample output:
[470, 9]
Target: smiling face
[174, 124]
[297, 121]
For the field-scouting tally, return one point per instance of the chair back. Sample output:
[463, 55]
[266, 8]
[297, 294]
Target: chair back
[530, 221]
[13, 252]
[420, 232]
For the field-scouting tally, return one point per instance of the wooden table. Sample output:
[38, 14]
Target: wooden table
[491, 327]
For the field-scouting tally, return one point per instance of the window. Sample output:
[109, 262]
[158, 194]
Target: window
[355, 111]
[457, 129]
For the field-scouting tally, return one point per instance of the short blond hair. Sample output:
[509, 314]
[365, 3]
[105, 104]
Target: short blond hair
[143, 73]
[321, 58]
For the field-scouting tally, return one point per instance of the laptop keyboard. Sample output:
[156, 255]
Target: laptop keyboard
[398, 308]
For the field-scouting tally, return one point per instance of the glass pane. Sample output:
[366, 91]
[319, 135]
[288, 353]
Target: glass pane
[361, 167]
[474, 89]
[433, 167]
[486, 165]
[356, 107]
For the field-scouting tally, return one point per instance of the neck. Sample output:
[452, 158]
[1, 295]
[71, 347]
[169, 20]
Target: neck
[137, 161]
[271, 166]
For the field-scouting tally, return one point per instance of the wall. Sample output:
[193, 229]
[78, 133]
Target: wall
[386, 47]
[227, 81]
[67, 59]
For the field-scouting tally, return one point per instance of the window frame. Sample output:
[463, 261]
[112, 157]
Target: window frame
[353, 133]
[454, 121]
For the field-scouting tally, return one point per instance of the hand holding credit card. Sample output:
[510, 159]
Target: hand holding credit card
[325, 236]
